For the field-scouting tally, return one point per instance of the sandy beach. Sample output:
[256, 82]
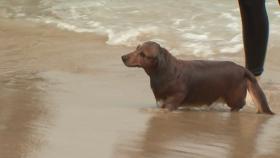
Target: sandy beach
[67, 95]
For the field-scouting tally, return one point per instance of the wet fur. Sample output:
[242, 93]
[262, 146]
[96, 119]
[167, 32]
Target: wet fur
[178, 82]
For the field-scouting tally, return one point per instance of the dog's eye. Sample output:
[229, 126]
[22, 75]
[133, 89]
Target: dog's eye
[142, 54]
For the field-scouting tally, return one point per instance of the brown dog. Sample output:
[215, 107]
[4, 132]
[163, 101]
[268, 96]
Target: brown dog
[176, 82]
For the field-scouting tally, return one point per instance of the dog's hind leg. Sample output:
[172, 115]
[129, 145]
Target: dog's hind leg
[236, 98]
[236, 105]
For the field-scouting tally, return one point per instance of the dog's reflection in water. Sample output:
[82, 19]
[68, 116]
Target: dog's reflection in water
[200, 134]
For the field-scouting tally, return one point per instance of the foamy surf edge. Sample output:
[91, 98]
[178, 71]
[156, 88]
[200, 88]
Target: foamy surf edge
[192, 43]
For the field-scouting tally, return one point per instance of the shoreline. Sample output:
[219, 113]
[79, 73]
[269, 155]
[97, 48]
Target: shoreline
[67, 94]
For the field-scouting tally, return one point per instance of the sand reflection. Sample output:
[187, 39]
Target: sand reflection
[23, 115]
[208, 134]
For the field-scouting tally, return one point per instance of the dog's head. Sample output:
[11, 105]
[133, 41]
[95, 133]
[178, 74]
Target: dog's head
[145, 56]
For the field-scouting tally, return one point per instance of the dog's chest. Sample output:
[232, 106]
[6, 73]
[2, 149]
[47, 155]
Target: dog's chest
[163, 91]
[160, 103]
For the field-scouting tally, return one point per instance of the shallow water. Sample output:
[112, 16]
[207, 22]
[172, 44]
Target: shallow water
[67, 94]
[76, 99]
[58, 114]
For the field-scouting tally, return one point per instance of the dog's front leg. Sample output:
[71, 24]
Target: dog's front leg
[174, 101]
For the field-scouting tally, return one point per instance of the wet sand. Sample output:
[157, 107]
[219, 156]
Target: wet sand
[66, 94]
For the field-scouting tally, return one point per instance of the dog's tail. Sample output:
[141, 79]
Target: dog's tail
[257, 94]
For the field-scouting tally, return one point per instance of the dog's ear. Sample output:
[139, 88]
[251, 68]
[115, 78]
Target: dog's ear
[151, 49]
[163, 51]
[161, 57]
[155, 51]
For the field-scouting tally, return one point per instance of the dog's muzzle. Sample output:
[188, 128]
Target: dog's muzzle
[124, 58]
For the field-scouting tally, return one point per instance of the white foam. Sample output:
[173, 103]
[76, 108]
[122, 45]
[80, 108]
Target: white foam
[63, 25]
[186, 29]
[232, 49]
[178, 21]
[236, 38]
[94, 24]
[20, 15]
[197, 37]
[234, 26]
[229, 16]
[132, 36]
[277, 13]
[200, 49]
[129, 37]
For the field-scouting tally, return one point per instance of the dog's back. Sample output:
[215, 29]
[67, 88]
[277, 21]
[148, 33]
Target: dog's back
[208, 81]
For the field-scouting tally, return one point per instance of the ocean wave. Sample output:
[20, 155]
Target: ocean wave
[199, 49]
[232, 49]
[186, 28]
[197, 37]
[132, 36]
[62, 25]
[197, 44]
[229, 16]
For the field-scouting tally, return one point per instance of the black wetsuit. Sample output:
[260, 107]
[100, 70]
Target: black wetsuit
[255, 33]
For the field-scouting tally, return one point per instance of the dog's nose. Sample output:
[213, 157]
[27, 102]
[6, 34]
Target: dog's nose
[124, 58]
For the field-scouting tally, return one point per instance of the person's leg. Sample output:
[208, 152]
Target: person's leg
[255, 33]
